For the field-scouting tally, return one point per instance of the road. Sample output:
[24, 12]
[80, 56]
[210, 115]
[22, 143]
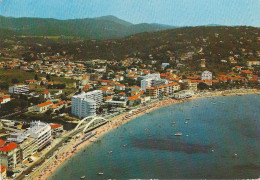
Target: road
[53, 148]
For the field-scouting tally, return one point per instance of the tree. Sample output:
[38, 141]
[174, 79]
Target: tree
[14, 81]
[48, 112]
[202, 86]
[48, 77]
[36, 77]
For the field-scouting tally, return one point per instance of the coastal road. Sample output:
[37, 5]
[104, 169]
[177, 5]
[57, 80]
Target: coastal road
[54, 149]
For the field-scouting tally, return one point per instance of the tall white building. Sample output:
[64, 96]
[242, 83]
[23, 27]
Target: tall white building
[152, 80]
[38, 130]
[96, 95]
[206, 75]
[85, 104]
[18, 89]
[22, 145]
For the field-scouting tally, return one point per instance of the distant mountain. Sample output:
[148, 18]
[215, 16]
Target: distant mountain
[114, 19]
[164, 25]
[105, 27]
[213, 25]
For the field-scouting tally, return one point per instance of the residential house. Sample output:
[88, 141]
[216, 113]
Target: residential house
[42, 107]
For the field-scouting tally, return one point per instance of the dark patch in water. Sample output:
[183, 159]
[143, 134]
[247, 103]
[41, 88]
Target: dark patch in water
[171, 145]
[246, 127]
[247, 167]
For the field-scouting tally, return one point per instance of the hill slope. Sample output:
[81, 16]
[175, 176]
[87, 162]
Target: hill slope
[106, 27]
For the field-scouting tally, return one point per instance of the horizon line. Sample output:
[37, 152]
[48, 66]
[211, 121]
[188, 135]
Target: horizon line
[156, 23]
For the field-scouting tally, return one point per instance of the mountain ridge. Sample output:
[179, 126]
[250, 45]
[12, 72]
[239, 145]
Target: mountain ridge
[104, 27]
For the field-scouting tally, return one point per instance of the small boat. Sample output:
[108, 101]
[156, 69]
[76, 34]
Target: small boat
[82, 177]
[187, 118]
[100, 173]
[109, 152]
[173, 122]
[124, 145]
[186, 122]
[178, 134]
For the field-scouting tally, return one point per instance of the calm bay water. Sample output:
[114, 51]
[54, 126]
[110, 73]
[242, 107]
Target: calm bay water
[218, 128]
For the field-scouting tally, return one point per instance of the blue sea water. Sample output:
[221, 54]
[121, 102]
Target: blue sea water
[218, 128]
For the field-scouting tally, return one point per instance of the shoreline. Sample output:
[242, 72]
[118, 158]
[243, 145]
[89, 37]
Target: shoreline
[67, 151]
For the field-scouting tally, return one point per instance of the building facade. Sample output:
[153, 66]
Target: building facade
[30, 141]
[152, 80]
[19, 89]
[81, 106]
[206, 75]
[162, 90]
[9, 155]
[42, 107]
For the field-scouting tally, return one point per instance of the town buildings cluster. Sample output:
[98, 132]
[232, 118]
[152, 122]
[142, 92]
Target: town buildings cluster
[102, 87]
[21, 145]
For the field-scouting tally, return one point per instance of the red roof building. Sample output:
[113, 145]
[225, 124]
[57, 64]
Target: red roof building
[9, 147]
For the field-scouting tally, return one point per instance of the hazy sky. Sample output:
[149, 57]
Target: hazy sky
[171, 12]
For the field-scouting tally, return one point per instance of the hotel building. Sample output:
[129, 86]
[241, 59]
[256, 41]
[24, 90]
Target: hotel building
[162, 90]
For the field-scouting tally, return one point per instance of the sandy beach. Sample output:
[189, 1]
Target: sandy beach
[68, 151]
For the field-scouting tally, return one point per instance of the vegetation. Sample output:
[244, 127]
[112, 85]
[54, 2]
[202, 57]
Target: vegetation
[107, 27]
[213, 44]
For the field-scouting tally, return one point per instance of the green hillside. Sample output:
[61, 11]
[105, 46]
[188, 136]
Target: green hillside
[106, 27]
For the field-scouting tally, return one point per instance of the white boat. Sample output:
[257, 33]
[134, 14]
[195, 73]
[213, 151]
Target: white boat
[186, 122]
[100, 173]
[82, 177]
[178, 134]
[109, 152]
[173, 122]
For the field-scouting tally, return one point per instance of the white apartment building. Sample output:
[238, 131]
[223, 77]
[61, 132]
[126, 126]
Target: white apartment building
[96, 95]
[152, 80]
[38, 130]
[24, 144]
[83, 106]
[18, 89]
[206, 75]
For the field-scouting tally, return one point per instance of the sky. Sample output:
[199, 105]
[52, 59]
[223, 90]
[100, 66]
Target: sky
[170, 12]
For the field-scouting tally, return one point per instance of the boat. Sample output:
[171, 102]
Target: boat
[82, 177]
[100, 173]
[178, 134]
[173, 122]
[124, 145]
[187, 118]
[186, 122]
[109, 152]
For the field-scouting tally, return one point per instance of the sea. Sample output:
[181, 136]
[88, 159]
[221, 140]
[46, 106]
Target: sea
[220, 140]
